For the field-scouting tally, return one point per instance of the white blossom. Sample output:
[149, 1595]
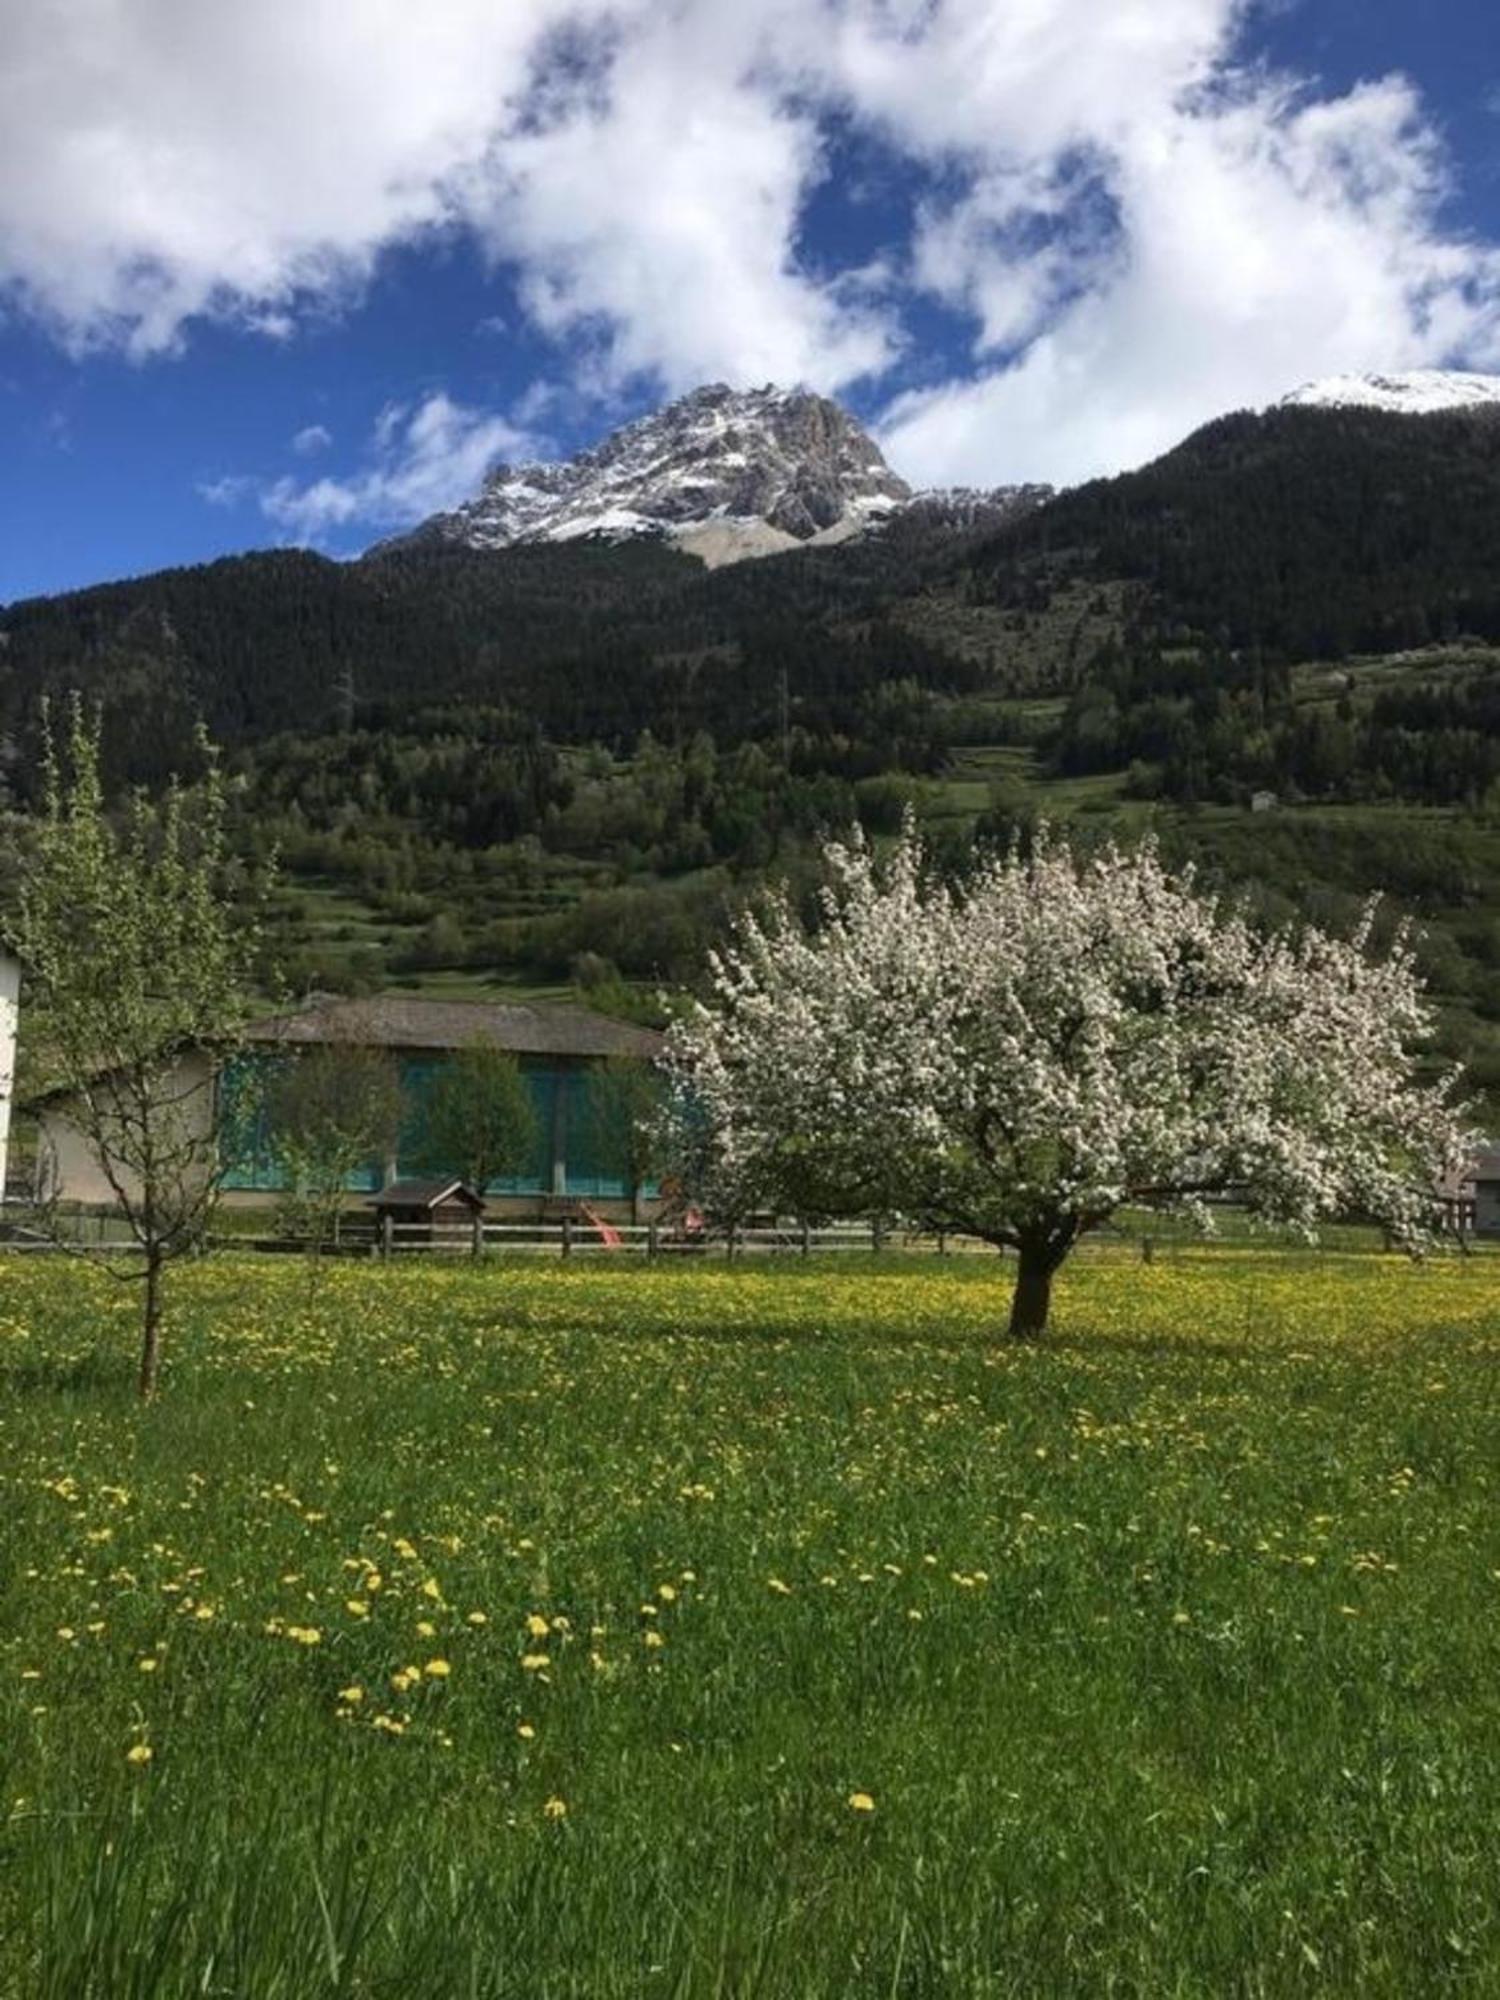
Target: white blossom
[1065, 1034]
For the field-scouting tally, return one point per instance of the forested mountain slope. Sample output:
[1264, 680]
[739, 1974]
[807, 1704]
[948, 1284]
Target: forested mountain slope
[1307, 532]
[557, 762]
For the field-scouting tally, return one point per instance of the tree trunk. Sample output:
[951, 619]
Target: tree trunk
[151, 1325]
[1032, 1299]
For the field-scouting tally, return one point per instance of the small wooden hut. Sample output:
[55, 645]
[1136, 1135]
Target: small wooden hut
[448, 1213]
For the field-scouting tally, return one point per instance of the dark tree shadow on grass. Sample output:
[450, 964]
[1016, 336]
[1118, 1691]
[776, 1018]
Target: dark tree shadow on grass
[99, 1372]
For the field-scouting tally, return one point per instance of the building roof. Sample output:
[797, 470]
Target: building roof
[426, 1194]
[1486, 1164]
[407, 1021]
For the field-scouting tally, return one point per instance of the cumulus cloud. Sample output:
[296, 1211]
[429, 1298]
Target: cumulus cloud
[655, 193]
[1130, 225]
[1259, 240]
[161, 159]
[311, 439]
[421, 460]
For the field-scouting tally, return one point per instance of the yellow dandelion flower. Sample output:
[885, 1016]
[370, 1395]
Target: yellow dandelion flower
[139, 1753]
[861, 1802]
[357, 1607]
[653, 1637]
[533, 1663]
[525, 1730]
[437, 1670]
[536, 1626]
[556, 1808]
[426, 1629]
[781, 1589]
[667, 1592]
[478, 1618]
[353, 1695]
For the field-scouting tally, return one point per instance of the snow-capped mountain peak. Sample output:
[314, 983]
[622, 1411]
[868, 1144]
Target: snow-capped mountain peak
[1419, 392]
[721, 472]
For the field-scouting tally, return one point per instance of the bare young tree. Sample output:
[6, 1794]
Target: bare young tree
[1064, 1036]
[139, 977]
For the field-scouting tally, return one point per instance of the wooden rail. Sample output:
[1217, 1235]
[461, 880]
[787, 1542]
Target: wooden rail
[574, 1236]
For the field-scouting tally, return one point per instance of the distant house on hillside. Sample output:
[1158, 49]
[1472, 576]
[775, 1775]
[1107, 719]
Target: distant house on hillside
[557, 1047]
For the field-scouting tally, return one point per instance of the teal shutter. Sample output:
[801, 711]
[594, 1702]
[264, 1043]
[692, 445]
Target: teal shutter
[419, 1074]
[246, 1152]
[591, 1150]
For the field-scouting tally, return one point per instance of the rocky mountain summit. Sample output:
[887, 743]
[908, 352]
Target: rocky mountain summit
[1418, 392]
[722, 473]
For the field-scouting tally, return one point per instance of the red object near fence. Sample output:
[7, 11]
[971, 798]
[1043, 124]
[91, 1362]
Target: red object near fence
[609, 1236]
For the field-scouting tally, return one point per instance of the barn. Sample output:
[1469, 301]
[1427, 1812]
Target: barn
[558, 1048]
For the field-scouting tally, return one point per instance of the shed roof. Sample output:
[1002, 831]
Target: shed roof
[407, 1021]
[426, 1194]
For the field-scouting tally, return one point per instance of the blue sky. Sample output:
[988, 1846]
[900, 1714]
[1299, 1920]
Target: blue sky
[265, 277]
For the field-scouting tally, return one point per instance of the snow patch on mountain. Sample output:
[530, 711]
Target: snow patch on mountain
[734, 472]
[1419, 392]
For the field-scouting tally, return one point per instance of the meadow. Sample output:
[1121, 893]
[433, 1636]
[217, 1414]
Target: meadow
[520, 1631]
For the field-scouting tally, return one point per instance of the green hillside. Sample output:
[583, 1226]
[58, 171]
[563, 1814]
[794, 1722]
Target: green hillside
[1278, 647]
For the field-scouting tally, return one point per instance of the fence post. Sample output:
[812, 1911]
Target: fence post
[477, 1227]
[877, 1237]
[806, 1237]
[729, 1241]
[386, 1229]
[942, 1242]
[650, 1242]
[567, 1236]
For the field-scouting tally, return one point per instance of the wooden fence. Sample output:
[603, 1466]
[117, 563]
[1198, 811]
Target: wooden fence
[578, 1237]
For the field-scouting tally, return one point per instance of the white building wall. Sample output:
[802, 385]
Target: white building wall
[69, 1166]
[10, 1002]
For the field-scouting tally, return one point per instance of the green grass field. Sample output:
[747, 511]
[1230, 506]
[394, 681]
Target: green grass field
[526, 1631]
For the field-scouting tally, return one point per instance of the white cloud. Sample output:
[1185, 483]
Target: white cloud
[420, 462]
[161, 159]
[228, 490]
[660, 203]
[311, 439]
[1262, 240]
[1133, 229]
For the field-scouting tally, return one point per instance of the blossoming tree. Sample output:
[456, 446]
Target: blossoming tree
[1067, 1034]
